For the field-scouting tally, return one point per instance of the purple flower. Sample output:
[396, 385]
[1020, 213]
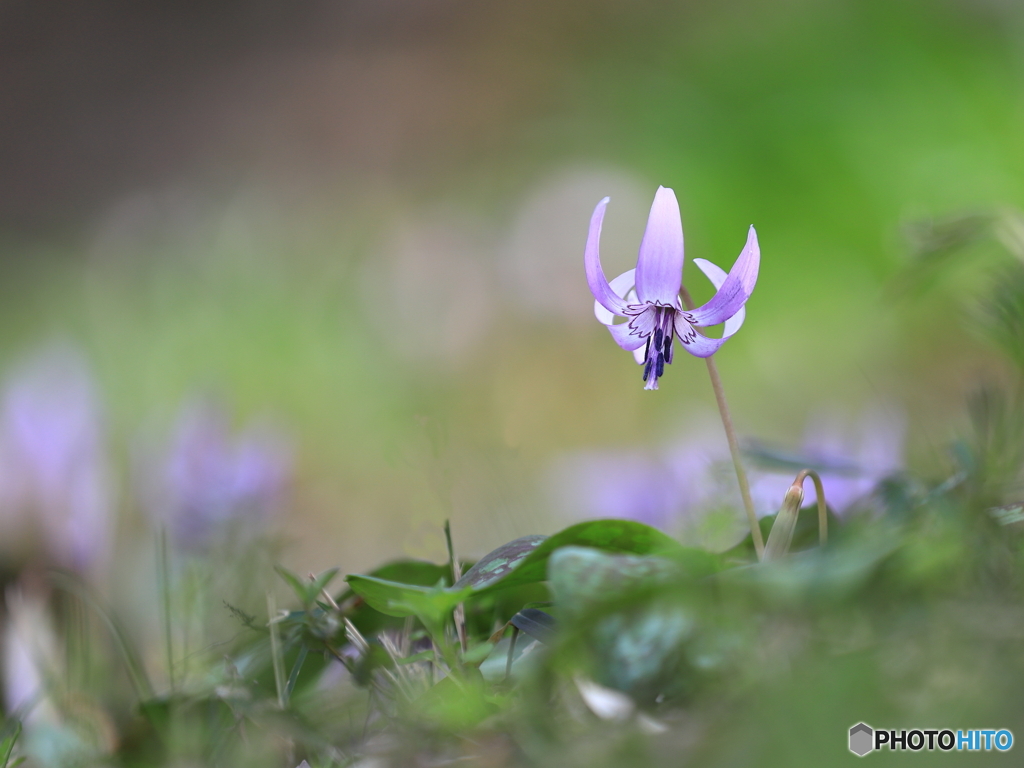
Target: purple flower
[208, 478]
[686, 487]
[624, 484]
[665, 486]
[649, 295]
[52, 460]
[851, 461]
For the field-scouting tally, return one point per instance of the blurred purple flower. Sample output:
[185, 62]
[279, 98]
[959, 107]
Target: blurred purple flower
[52, 459]
[851, 462]
[649, 294]
[676, 488]
[207, 479]
[662, 488]
[624, 484]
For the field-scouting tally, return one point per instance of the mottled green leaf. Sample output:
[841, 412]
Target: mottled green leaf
[494, 566]
[639, 651]
[608, 535]
[582, 576]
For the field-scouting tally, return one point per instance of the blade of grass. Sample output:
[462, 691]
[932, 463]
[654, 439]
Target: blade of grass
[7, 745]
[275, 649]
[294, 676]
[140, 680]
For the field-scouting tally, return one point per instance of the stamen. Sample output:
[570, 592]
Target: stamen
[660, 370]
[647, 368]
[659, 336]
[647, 350]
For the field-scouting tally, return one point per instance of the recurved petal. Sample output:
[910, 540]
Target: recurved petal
[717, 276]
[659, 266]
[598, 283]
[624, 338]
[621, 286]
[642, 322]
[695, 343]
[734, 291]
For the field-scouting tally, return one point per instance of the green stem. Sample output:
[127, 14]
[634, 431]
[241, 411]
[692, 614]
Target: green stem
[460, 610]
[165, 594]
[734, 449]
[819, 490]
[275, 650]
[734, 446]
[74, 586]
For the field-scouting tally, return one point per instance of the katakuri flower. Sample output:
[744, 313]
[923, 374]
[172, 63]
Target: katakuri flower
[209, 478]
[648, 296]
[54, 470]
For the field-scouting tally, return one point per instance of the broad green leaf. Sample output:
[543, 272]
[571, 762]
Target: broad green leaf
[530, 565]
[368, 620]
[633, 627]
[522, 561]
[418, 572]
[395, 599]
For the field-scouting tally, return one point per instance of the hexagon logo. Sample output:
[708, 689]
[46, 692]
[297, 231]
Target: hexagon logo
[862, 739]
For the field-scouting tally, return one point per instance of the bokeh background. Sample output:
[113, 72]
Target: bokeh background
[329, 253]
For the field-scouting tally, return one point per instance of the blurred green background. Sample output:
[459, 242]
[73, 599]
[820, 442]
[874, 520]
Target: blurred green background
[364, 221]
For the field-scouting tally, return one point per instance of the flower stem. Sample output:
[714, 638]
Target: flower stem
[819, 490]
[734, 446]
